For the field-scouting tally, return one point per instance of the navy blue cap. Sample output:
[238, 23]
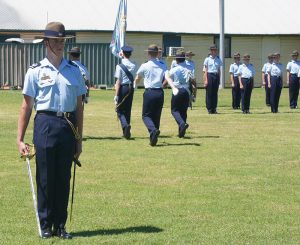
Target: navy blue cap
[127, 48]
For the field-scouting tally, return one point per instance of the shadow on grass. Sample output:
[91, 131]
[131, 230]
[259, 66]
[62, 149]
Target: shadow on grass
[107, 232]
[163, 144]
[203, 137]
[85, 138]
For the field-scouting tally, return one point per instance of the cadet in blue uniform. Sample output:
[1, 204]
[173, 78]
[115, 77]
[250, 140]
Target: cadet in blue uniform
[125, 73]
[54, 87]
[246, 73]
[265, 78]
[292, 69]
[75, 57]
[235, 84]
[212, 66]
[179, 77]
[275, 82]
[153, 73]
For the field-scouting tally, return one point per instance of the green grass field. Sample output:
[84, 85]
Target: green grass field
[234, 179]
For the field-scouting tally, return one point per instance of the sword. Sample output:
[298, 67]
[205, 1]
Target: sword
[76, 162]
[33, 196]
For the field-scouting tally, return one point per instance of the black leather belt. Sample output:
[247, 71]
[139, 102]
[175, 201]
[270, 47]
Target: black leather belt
[57, 114]
[153, 89]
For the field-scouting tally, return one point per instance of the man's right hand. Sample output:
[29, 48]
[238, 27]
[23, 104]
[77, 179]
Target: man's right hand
[116, 98]
[23, 148]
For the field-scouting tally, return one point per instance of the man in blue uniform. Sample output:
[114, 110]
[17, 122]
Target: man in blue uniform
[292, 70]
[246, 73]
[179, 77]
[235, 84]
[265, 78]
[275, 82]
[54, 87]
[212, 66]
[153, 73]
[75, 57]
[125, 73]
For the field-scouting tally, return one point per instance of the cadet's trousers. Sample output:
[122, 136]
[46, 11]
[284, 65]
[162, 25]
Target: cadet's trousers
[236, 94]
[55, 148]
[153, 100]
[212, 91]
[293, 90]
[267, 90]
[124, 110]
[179, 106]
[275, 91]
[246, 93]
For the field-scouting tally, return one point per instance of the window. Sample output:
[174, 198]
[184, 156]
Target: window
[170, 40]
[71, 40]
[227, 45]
[3, 37]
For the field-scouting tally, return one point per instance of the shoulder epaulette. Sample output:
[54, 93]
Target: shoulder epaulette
[35, 65]
[72, 63]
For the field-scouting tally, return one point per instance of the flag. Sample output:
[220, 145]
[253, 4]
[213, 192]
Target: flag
[118, 36]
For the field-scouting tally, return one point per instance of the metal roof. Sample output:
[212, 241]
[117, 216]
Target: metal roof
[247, 17]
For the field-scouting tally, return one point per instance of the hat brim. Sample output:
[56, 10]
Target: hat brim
[72, 52]
[153, 51]
[51, 37]
[190, 55]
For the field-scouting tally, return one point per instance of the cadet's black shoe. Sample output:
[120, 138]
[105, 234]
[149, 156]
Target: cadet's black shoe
[127, 133]
[154, 136]
[182, 130]
[46, 233]
[62, 233]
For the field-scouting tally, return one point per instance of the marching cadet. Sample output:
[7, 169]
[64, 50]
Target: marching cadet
[264, 78]
[153, 73]
[74, 55]
[292, 69]
[179, 77]
[246, 73]
[235, 84]
[212, 66]
[54, 86]
[125, 73]
[275, 82]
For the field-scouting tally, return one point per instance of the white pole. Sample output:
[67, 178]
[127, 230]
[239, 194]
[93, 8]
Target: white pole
[221, 44]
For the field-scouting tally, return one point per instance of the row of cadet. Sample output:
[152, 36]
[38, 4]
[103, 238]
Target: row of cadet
[181, 79]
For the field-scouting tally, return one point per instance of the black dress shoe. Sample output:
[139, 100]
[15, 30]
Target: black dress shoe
[46, 233]
[153, 137]
[62, 233]
[126, 132]
[182, 130]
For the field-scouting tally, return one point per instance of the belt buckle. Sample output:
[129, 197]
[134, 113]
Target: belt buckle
[59, 113]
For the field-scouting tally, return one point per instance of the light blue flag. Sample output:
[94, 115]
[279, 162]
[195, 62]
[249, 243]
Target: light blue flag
[118, 36]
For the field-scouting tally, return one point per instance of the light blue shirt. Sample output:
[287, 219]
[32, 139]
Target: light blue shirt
[212, 64]
[265, 68]
[233, 69]
[275, 69]
[83, 69]
[121, 75]
[191, 66]
[180, 75]
[173, 64]
[54, 89]
[293, 67]
[246, 71]
[163, 62]
[153, 73]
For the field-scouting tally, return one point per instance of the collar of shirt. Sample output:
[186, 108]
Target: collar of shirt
[45, 62]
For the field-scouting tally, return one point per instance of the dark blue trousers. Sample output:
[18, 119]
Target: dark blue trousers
[179, 106]
[55, 147]
[152, 107]
[293, 90]
[236, 94]
[124, 110]
[267, 90]
[212, 91]
[275, 91]
[246, 93]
